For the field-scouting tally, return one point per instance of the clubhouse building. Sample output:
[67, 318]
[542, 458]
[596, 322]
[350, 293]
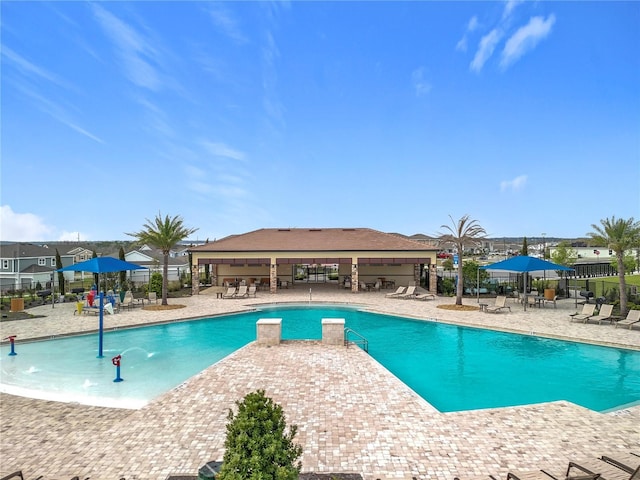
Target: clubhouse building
[354, 258]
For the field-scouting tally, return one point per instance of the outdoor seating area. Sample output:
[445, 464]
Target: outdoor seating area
[632, 318]
[500, 305]
[411, 292]
[470, 443]
[615, 466]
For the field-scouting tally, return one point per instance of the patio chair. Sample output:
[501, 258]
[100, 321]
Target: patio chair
[424, 296]
[242, 292]
[152, 297]
[501, 304]
[628, 462]
[606, 470]
[587, 311]
[17, 474]
[633, 317]
[410, 293]
[604, 315]
[252, 291]
[127, 301]
[552, 300]
[230, 293]
[399, 291]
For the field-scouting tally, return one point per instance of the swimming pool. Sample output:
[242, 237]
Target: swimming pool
[453, 368]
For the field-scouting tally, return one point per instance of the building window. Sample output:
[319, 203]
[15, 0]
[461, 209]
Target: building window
[53, 262]
[42, 262]
[5, 264]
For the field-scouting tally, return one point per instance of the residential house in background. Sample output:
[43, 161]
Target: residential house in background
[153, 260]
[25, 265]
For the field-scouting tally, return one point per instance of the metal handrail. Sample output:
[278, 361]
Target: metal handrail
[360, 340]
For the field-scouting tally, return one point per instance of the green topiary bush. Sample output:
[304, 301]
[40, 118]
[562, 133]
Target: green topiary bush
[257, 445]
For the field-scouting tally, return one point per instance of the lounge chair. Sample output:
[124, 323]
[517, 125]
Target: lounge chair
[399, 291]
[604, 315]
[410, 293]
[633, 317]
[587, 311]
[17, 474]
[541, 475]
[605, 470]
[252, 291]
[242, 292]
[501, 304]
[626, 461]
[128, 300]
[424, 296]
[230, 293]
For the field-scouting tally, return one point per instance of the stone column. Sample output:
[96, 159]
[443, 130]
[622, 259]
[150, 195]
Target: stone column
[273, 276]
[333, 331]
[416, 274]
[433, 279]
[354, 275]
[195, 280]
[213, 274]
[269, 331]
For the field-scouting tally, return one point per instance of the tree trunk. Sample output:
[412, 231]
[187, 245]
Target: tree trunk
[165, 279]
[459, 283]
[623, 283]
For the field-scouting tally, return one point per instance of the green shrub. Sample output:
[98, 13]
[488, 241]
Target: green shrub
[257, 446]
[448, 286]
[155, 283]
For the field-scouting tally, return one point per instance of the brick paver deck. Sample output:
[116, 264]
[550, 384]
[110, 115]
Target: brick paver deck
[352, 414]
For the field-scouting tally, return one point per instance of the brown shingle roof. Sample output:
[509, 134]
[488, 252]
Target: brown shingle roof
[313, 239]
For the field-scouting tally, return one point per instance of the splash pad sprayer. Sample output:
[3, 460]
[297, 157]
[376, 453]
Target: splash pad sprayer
[116, 361]
[12, 340]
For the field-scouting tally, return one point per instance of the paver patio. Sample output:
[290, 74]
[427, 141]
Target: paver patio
[353, 415]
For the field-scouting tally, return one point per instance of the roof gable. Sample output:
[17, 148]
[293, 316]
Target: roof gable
[315, 239]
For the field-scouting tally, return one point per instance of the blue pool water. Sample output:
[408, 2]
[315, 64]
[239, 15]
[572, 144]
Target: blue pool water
[453, 368]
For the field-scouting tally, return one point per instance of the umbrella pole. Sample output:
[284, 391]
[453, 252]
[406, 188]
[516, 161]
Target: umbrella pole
[526, 298]
[100, 324]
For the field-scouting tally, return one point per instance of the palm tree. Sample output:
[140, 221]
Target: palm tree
[465, 232]
[163, 234]
[619, 235]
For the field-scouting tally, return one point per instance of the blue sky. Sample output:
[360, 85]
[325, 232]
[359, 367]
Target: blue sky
[387, 115]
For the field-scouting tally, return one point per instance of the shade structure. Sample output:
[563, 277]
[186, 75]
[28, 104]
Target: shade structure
[101, 265]
[525, 264]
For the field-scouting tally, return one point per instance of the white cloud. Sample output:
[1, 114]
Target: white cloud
[471, 26]
[72, 237]
[222, 19]
[514, 185]
[420, 85]
[485, 49]
[222, 150]
[30, 69]
[22, 227]
[509, 6]
[526, 38]
[136, 53]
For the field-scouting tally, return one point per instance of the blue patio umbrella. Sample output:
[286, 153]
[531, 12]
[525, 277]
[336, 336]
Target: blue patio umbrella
[101, 265]
[525, 264]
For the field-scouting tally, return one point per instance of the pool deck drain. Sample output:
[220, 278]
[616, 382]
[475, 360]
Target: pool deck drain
[353, 416]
